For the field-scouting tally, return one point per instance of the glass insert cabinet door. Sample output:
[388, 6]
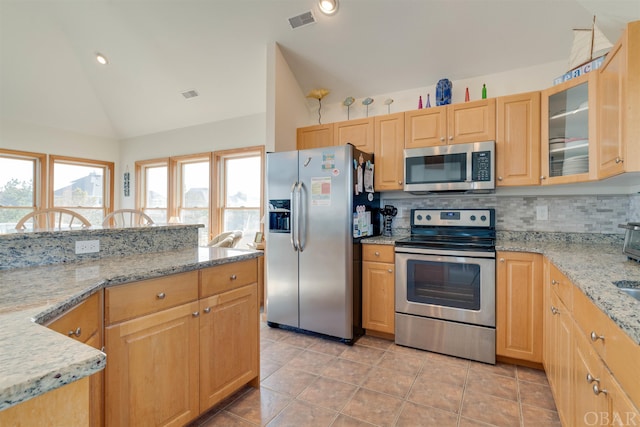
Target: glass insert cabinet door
[568, 131]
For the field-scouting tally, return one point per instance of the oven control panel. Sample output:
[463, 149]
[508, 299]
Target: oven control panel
[457, 218]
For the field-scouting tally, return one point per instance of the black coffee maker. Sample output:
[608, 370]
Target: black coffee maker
[388, 213]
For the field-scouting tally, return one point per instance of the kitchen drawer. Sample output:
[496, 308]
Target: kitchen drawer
[562, 286]
[378, 253]
[148, 296]
[594, 324]
[82, 321]
[224, 277]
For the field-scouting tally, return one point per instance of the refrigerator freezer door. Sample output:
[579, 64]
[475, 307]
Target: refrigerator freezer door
[281, 257]
[325, 267]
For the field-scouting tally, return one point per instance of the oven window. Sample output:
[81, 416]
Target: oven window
[444, 284]
[436, 169]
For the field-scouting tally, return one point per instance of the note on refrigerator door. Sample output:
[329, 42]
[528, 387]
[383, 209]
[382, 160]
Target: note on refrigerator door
[321, 191]
[368, 178]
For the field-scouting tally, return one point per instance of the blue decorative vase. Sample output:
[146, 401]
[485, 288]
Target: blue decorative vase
[443, 92]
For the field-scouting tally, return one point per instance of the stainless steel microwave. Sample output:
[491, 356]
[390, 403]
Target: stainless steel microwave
[457, 167]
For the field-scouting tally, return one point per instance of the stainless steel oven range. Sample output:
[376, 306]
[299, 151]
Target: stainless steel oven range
[446, 283]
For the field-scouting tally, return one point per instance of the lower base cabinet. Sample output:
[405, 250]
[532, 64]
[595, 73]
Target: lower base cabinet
[378, 288]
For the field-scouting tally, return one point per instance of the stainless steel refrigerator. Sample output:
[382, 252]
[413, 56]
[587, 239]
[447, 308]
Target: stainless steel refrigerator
[313, 262]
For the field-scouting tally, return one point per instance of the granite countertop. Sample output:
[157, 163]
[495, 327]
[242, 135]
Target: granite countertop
[592, 266]
[35, 359]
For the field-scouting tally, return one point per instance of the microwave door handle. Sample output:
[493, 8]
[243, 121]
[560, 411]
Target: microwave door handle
[299, 221]
[469, 167]
[294, 221]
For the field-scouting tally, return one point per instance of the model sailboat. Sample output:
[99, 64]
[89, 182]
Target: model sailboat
[588, 44]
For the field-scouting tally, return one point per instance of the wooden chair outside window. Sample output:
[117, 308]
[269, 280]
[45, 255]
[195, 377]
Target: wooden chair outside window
[126, 218]
[53, 218]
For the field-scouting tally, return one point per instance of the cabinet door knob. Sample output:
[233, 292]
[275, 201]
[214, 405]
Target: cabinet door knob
[554, 310]
[501, 259]
[499, 178]
[442, 138]
[595, 337]
[390, 270]
[554, 282]
[233, 277]
[619, 160]
[591, 379]
[161, 295]
[76, 333]
[451, 138]
[597, 390]
[207, 310]
[399, 182]
[195, 314]
[543, 177]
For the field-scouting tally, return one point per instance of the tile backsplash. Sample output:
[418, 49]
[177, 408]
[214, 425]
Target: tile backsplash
[576, 214]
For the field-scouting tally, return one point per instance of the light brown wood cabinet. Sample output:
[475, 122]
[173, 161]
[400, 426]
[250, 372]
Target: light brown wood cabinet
[451, 124]
[518, 140]
[389, 152]
[314, 136]
[378, 288]
[84, 323]
[357, 132]
[568, 132]
[618, 106]
[519, 298]
[590, 362]
[189, 341]
[152, 369]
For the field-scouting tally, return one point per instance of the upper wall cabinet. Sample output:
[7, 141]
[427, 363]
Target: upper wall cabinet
[568, 131]
[518, 139]
[315, 136]
[389, 153]
[358, 132]
[451, 124]
[618, 107]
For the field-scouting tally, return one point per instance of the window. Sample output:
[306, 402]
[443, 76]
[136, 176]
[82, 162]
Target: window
[192, 178]
[239, 186]
[22, 186]
[81, 185]
[152, 180]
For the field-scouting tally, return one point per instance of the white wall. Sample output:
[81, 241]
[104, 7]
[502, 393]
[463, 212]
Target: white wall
[234, 133]
[499, 84]
[287, 109]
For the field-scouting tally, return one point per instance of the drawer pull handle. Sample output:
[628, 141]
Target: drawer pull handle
[195, 314]
[390, 270]
[592, 379]
[233, 277]
[554, 310]
[75, 333]
[597, 390]
[377, 254]
[161, 295]
[595, 337]
[207, 310]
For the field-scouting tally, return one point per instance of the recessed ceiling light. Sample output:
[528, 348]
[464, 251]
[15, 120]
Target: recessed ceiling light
[328, 7]
[101, 59]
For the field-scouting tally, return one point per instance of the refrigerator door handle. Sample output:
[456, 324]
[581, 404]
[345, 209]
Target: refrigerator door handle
[294, 221]
[297, 213]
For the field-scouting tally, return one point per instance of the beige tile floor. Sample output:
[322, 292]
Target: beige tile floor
[311, 381]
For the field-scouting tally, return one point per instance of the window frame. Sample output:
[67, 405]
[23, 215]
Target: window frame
[141, 183]
[218, 184]
[39, 175]
[108, 181]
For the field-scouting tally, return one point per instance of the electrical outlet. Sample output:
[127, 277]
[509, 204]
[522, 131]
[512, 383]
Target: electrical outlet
[542, 213]
[87, 246]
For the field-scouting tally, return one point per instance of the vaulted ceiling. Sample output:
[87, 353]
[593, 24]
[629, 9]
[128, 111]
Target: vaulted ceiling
[158, 49]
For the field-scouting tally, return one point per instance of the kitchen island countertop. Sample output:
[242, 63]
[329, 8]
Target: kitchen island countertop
[35, 359]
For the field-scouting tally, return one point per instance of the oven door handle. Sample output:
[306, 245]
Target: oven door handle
[466, 254]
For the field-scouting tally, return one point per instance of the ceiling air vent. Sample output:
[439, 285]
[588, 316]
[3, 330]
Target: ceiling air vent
[189, 94]
[302, 19]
